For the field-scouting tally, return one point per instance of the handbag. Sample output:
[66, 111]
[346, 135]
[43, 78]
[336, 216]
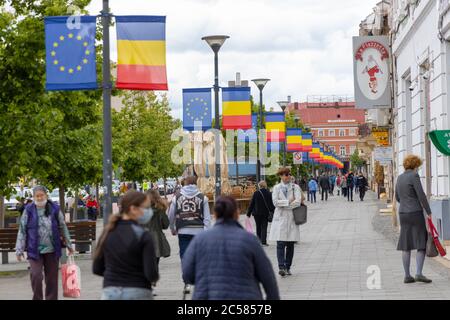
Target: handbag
[300, 214]
[267, 207]
[71, 279]
[435, 239]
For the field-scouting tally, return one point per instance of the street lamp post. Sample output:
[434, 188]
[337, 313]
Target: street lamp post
[216, 42]
[283, 105]
[260, 83]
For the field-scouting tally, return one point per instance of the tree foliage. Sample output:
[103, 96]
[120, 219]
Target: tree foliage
[142, 137]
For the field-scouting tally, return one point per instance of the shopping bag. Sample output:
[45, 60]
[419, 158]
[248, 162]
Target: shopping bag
[248, 225]
[431, 249]
[435, 236]
[71, 279]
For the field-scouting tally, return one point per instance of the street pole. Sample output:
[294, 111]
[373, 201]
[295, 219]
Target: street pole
[258, 162]
[217, 119]
[107, 134]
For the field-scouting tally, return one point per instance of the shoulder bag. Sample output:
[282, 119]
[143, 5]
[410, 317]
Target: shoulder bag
[267, 207]
[434, 246]
[300, 213]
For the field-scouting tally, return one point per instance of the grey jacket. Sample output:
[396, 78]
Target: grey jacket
[409, 193]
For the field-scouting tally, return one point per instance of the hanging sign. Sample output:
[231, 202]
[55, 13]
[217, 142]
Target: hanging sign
[441, 140]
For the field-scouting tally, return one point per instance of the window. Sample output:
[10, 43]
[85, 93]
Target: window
[352, 149]
[343, 151]
[320, 133]
[352, 132]
[341, 132]
[331, 133]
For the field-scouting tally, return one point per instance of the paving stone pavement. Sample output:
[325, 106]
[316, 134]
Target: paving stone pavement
[338, 245]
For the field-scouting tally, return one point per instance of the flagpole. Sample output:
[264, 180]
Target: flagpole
[107, 132]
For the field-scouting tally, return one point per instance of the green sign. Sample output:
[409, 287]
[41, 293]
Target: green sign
[441, 140]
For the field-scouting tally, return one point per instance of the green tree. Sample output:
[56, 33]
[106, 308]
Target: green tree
[356, 161]
[35, 126]
[142, 137]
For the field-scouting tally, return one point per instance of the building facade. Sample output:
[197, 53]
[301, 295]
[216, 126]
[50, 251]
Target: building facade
[335, 123]
[421, 50]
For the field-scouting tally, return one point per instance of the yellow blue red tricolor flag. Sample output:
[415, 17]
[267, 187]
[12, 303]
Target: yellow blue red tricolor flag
[294, 140]
[70, 54]
[275, 127]
[236, 108]
[141, 50]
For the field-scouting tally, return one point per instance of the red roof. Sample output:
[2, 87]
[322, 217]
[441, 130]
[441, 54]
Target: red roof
[322, 115]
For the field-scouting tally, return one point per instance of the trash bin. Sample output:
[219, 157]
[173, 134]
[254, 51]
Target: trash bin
[81, 216]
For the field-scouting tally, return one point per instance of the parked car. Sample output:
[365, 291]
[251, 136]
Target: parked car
[11, 202]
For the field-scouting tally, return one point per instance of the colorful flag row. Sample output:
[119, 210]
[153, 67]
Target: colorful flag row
[71, 56]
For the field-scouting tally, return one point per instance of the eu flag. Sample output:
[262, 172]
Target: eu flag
[70, 53]
[197, 114]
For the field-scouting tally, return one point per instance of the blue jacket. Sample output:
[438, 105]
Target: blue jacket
[312, 185]
[228, 263]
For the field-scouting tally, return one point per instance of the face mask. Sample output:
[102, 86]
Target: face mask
[40, 203]
[146, 217]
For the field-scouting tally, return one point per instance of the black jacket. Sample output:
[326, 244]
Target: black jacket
[127, 258]
[361, 182]
[324, 182]
[257, 205]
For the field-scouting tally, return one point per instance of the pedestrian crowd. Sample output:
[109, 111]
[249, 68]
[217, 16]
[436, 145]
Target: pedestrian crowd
[222, 260]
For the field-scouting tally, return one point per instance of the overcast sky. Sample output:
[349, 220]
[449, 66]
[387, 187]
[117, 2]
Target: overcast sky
[304, 46]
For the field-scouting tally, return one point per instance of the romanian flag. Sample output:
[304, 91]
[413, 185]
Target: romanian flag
[275, 127]
[315, 152]
[294, 140]
[141, 50]
[236, 108]
[307, 142]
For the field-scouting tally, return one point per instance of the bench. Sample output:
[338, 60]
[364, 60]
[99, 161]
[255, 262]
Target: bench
[8, 237]
[83, 232]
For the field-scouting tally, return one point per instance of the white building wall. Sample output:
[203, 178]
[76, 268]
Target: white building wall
[415, 43]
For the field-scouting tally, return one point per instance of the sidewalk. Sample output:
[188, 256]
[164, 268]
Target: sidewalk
[337, 245]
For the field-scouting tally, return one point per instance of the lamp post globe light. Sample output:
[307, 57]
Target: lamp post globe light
[216, 42]
[260, 83]
[283, 105]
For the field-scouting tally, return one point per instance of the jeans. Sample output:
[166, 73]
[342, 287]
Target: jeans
[261, 228]
[183, 241]
[285, 254]
[344, 192]
[350, 194]
[313, 196]
[46, 264]
[325, 191]
[331, 189]
[121, 293]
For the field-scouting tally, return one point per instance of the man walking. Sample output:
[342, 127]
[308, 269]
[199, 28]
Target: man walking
[362, 186]
[350, 186]
[324, 183]
[188, 215]
[332, 184]
[312, 186]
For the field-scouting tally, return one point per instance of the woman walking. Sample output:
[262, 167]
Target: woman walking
[42, 228]
[158, 223]
[261, 206]
[413, 231]
[125, 256]
[286, 196]
[227, 262]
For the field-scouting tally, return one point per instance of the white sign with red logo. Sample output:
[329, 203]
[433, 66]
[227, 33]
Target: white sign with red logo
[371, 72]
[298, 158]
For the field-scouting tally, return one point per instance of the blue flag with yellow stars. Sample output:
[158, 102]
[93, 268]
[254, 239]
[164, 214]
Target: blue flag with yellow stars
[197, 114]
[70, 53]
